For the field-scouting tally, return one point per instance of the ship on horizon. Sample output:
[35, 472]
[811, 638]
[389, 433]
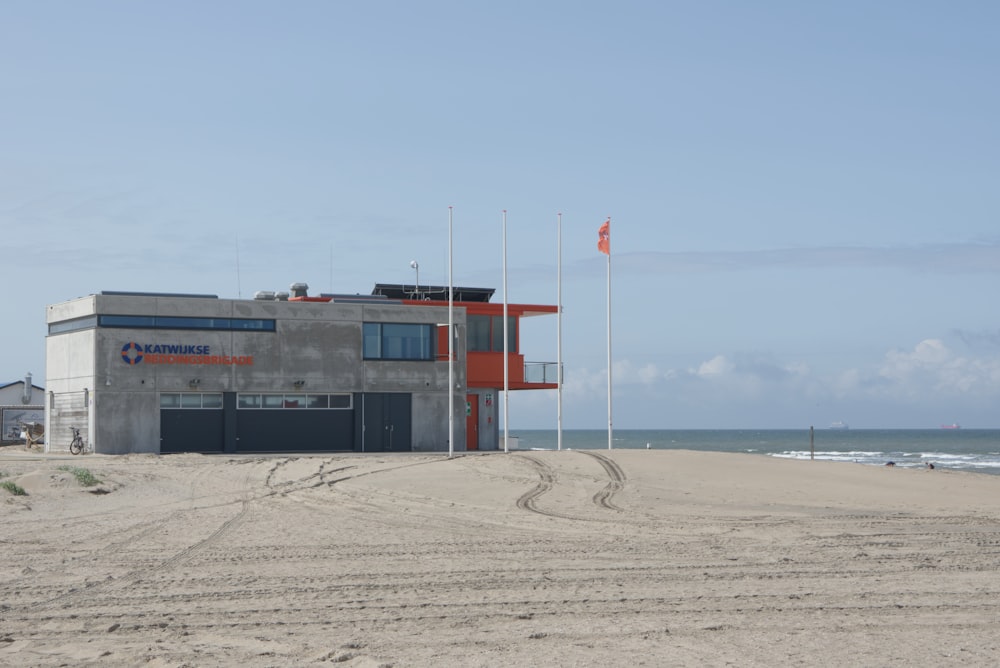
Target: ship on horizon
[953, 425]
[839, 424]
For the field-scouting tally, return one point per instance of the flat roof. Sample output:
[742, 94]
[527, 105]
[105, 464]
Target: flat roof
[431, 293]
[124, 293]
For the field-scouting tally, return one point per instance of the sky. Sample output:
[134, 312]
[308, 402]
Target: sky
[803, 196]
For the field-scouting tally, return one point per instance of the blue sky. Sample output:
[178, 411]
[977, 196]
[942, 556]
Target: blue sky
[803, 196]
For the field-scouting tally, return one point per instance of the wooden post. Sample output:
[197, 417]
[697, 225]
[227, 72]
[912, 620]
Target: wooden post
[812, 446]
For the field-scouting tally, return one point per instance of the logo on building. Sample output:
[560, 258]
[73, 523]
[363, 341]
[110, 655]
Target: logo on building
[132, 353]
[171, 353]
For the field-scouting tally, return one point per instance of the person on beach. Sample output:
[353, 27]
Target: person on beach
[890, 463]
[930, 466]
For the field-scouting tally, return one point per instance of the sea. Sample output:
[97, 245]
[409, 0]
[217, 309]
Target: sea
[976, 450]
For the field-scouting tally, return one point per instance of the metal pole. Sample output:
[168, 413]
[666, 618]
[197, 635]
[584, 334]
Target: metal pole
[451, 346]
[559, 365]
[506, 360]
[610, 430]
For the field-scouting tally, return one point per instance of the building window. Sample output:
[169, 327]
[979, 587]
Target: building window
[173, 400]
[272, 401]
[479, 333]
[339, 401]
[317, 401]
[88, 322]
[248, 401]
[177, 322]
[396, 341]
[486, 333]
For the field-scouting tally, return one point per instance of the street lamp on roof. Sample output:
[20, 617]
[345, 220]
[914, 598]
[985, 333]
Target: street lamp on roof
[416, 266]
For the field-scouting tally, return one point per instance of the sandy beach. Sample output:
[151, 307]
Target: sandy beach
[575, 558]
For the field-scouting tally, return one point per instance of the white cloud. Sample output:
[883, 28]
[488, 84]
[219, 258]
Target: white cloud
[905, 387]
[717, 366]
[932, 365]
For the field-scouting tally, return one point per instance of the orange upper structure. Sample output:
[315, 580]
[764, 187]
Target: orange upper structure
[484, 320]
[484, 363]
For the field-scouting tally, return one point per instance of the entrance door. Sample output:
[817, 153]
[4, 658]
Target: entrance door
[472, 422]
[386, 419]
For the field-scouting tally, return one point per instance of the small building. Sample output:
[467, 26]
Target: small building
[21, 403]
[161, 373]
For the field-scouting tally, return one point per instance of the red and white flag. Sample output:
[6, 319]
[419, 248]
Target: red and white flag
[604, 237]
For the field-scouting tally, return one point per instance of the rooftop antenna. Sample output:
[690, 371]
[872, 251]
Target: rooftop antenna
[416, 265]
[239, 288]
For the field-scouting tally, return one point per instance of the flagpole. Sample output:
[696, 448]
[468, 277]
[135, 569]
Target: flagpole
[610, 430]
[559, 365]
[451, 347]
[506, 360]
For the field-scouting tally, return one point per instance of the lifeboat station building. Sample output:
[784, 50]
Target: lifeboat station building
[284, 372]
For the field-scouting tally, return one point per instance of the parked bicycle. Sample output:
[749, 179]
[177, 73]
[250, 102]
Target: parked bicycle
[76, 445]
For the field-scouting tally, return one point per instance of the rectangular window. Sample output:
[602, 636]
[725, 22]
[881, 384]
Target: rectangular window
[339, 401]
[73, 325]
[486, 333]
[134, 321]
[170, 401]
[272, 400]
[180, 322]
[211, 401]
[479, 333]
[372, 334]
[397, 341]
[317, 401]
[248, 401]
[497, 334]
[295, 401]
[174, 400]
[175, 322]
[190, 401]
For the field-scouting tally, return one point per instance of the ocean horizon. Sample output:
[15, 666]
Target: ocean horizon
[976, 450]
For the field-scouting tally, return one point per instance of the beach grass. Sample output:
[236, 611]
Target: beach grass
[82, 475]
[13, 488]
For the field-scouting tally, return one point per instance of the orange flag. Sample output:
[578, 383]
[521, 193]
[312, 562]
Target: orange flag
[604, 237]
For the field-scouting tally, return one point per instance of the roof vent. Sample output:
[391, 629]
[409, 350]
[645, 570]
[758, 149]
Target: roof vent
[281, 296]
[299, 289]
[264, 295]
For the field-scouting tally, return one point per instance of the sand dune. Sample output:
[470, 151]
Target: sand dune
[585, 558]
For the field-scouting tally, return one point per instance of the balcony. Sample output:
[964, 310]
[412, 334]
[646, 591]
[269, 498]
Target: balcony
[545, 373]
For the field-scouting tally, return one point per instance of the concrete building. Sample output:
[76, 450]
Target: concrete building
[160, 373]
[20, 404]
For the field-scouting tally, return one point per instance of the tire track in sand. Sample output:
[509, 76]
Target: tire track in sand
[548, 479]
[615, 485]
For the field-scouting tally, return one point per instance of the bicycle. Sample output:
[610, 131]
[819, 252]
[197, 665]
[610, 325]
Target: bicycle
[76, 445]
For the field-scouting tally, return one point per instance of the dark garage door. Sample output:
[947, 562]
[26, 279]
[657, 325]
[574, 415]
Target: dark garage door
[191, 422]
[294, 423]
[294, 431]
[216, 422]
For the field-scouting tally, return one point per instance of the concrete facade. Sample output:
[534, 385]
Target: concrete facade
[111, 380]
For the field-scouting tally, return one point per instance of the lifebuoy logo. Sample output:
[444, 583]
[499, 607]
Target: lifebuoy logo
[169, 353]
[132, 353]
